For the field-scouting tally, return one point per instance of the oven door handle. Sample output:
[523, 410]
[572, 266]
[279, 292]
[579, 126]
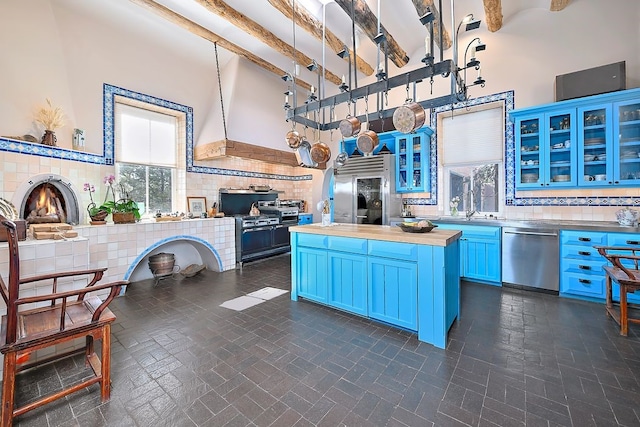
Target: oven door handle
[249, 230]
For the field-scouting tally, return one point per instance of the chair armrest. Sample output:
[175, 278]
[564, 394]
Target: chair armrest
[96, 271]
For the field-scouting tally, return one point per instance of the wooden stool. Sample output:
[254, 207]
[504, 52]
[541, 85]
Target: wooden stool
[624, 272]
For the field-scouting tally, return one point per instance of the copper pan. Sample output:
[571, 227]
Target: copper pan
[409, 117]
[320, 152]
[293, 139]
[350, 126]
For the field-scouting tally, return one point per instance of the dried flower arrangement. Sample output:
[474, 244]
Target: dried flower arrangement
[50, 117]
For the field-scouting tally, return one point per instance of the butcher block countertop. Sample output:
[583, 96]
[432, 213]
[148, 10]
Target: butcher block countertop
[435, 237]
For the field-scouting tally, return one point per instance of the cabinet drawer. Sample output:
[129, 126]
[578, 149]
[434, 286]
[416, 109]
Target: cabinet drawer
[624, 239]
[586, 253]
[474, 231]
[348, 244]
[583, 238]
[312, 240]
[403, 251]
[585, 285]
[584, 267]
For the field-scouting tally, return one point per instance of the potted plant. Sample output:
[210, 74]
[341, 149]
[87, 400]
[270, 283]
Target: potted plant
[123, 210]
[98, 214]
[51, 118]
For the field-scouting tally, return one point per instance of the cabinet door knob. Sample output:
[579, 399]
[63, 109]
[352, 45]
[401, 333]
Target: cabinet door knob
[584, 239]
[584, 253]
[585, 281]
[633, 242]
[584, 267]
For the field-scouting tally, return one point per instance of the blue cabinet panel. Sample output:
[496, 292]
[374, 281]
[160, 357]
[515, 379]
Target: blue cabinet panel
[305, 218]
[625, 240]
[313, 240]
[481, 259]
[348, 282]
[404, 251]
[312, 274]
[413, 157]
[394, 292]
[348, 244]
[583, 238]
[581, 272]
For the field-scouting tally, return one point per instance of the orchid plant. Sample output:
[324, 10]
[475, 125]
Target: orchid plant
[123, 204]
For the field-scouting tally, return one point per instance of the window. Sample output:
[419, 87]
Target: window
[146, 156]
[472, 153]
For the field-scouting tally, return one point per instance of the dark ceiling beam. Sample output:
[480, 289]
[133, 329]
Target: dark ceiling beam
[368, 22]
[307, 22]
[200, 31]
[259, 32]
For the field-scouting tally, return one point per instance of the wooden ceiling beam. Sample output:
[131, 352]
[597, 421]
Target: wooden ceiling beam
[368, 22]
[307, 22]
[421, 7]
[206, 34]
[259, 32]
[493, 14]
[558, 5]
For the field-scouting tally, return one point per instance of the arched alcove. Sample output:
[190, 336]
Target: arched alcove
[187, 250]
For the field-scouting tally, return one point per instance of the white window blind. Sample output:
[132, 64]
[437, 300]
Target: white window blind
[476, 137]
[144, 137]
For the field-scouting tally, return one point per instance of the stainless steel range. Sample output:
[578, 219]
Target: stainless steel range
[288, 214]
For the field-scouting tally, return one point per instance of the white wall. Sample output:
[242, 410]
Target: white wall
[62, 50]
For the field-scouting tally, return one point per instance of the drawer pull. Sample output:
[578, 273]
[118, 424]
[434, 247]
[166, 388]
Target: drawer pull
[633, 242]
[584, 253]
[585, 281]
[584, 267]
[584, 239]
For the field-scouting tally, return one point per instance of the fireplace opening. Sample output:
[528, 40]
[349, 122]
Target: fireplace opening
[45, 204]
[48, 199]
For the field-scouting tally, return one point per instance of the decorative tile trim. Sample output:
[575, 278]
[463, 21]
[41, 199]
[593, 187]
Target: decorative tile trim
[108, 109]
[35, 149]
[161, 242]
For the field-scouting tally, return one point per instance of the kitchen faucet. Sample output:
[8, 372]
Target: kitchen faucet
[470, 211]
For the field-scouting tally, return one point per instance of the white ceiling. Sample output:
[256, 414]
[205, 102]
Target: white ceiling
[399, 17]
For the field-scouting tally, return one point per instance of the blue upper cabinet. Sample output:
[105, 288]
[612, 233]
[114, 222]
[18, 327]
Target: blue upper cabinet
[586, 142]
[413, 155]
[545, 152]
[626, 150]
[595, 145]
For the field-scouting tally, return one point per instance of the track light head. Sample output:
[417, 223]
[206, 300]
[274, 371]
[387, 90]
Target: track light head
[427, 17]
[344, 52]
[313, 66]
[380, 38]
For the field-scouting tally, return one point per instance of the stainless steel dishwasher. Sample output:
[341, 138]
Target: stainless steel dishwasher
[530, 258]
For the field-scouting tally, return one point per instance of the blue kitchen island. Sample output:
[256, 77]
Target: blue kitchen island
[408, 280]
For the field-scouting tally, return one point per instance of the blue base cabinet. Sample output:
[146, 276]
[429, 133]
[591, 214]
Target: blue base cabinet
[581, 273]
[480, 252]
[415, 287]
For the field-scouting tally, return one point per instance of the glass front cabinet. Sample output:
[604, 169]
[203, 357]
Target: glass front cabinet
[412, 161]
[587, 142]
[545, 154]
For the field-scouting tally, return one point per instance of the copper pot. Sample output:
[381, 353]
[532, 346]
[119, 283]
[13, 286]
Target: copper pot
[293, 139]
[350, 126]
[409, 117]
[320, 152]
[367, 142]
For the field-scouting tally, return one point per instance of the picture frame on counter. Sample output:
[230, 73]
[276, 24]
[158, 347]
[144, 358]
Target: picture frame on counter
[197, 205]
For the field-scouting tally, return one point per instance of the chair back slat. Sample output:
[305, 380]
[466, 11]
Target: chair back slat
[14, 280]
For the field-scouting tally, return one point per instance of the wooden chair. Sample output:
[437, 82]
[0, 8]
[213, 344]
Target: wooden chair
[624, 272]
[67, 316]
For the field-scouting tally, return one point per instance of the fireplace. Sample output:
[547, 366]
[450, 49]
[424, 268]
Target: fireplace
[47, 198]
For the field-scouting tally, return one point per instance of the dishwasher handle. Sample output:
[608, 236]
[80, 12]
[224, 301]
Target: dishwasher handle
[531, 233]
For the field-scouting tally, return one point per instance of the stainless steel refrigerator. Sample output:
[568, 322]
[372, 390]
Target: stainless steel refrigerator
[365, 191]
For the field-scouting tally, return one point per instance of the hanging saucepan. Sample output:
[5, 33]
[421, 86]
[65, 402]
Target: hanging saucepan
[293, 139]
[368, 140]
[320, 152]
[350, 126]
[342, 157]
[409, 117]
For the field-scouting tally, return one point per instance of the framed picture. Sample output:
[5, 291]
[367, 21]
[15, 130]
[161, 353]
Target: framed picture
[197, 205]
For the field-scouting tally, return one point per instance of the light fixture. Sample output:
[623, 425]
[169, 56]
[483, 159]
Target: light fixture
[313, 66]
[286, 77]
[380, 38]
[470, 22]
[427, 17]
[288, 92]
[344, 53]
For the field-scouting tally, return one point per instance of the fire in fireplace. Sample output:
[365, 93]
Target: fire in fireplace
[45, 204]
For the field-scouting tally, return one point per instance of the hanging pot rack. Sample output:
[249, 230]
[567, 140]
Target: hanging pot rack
[447, 68]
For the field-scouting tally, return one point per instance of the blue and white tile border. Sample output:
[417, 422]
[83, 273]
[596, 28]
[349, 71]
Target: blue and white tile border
[107, 158]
